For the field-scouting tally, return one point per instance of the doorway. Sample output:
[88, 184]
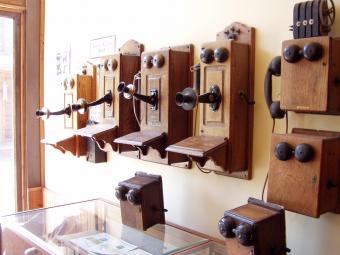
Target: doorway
[7, 115]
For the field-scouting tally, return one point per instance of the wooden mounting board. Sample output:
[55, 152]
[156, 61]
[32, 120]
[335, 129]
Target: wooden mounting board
[246, 35]
[132, 48]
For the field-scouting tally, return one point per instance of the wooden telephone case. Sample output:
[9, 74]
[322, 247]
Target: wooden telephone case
[141, 201]
[165, 71]
[224, 144]
[118, 118]
[312, 187]
[256, 228]
[310, 81]
[76, 87]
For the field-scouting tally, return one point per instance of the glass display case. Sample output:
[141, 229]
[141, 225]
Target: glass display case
[90, 227]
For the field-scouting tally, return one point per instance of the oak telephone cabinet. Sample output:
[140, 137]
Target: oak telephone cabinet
[116, 119]
[310, 77]
[141, 201]
[225, 104]
[304, 172]
[256, 228]
[75, 87]
[163, 73]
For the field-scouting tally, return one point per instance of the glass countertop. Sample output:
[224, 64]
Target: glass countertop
[90, 227]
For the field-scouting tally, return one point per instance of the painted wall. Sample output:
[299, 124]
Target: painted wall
[194, 199]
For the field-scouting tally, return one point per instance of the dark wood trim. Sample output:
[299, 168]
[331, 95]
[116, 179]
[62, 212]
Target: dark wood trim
[30, 14]
[42, 52]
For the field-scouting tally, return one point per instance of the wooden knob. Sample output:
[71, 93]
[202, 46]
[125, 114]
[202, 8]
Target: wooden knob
[158, 60]
[147, 61]
[112, 64]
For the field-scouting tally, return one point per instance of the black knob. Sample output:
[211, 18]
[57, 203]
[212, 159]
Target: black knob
[158, 60]
[147, 61]
[133, 197]
[244, 234]
[292, 53]
[221, 54]
[283, 151]
[312, 51]
[304, 152]
[120, 192]
[207, 55]
[226, 226]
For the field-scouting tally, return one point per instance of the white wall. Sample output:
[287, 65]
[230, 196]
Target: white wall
[194, 199]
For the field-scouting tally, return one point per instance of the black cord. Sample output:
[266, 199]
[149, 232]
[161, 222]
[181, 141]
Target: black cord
[286, 123]
[195, 123]
[202, 170]
[273, 127]
[264, 187]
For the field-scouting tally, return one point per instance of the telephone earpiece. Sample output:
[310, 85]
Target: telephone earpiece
[274, 68]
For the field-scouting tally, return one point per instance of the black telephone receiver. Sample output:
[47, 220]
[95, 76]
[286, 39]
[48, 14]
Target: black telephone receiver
[274, 68]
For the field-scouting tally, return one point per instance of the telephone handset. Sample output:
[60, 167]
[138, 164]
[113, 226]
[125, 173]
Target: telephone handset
[274, 68]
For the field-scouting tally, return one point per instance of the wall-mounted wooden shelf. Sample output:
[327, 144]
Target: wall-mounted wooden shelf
[142, 140]
[102, 134]
[202, 148]
[63, 144]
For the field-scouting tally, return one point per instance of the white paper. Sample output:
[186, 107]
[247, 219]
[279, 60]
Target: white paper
[103, 244]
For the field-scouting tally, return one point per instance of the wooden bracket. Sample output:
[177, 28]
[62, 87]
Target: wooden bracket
[102, 134]
[143, 140]
[63, 144]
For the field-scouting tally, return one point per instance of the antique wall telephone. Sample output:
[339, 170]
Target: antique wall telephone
[116, 119]
[223, 91]
[256, 228]
[77, 86]
[306, 161]
[162, 74]
[141, 201]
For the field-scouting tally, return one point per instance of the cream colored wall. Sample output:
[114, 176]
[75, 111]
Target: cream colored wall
[194, 199]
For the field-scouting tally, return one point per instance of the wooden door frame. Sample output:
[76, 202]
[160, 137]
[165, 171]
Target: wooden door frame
[27, 173]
